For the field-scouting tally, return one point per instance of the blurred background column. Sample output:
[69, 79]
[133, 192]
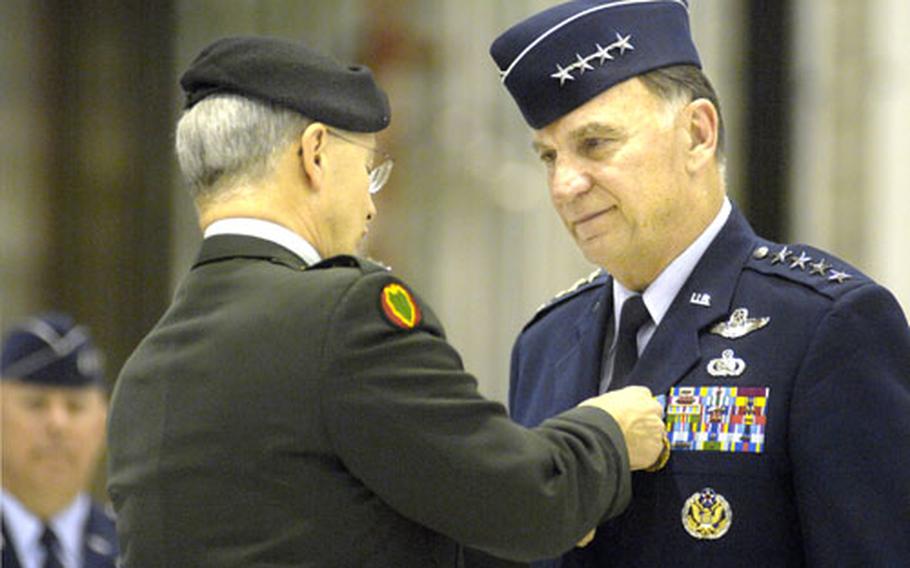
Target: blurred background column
[851, 155]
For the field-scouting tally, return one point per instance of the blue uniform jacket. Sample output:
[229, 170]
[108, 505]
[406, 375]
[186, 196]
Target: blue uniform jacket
[99, 544]
[831, 484]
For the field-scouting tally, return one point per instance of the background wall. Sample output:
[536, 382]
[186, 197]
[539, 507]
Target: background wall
[94, 220]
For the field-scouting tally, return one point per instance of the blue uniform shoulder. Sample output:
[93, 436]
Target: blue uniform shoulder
[581, 288]
[814, 268]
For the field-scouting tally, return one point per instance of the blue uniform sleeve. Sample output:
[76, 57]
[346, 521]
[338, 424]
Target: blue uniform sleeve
[850, 438]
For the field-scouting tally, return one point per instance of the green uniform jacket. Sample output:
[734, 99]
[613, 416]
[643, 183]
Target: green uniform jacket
[282, 415]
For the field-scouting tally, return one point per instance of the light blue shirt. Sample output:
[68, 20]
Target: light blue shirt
[25, 530]
[660, 294]
[265, 230]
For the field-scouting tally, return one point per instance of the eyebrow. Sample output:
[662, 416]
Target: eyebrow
[596, 129]
[600, 129]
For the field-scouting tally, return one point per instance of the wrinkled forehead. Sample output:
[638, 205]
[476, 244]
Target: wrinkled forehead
[609, 114]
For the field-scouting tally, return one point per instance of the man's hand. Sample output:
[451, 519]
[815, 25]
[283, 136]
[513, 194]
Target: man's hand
[640, 418]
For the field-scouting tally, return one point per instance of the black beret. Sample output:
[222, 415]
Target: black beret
[51, 350]
[290, 75]
[559, 59]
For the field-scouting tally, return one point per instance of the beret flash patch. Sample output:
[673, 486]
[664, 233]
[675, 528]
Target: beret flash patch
[399, 306]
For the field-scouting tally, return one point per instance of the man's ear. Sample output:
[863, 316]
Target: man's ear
[311, 153]
[702, 126]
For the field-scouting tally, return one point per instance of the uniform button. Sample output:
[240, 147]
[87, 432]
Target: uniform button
[760, 253]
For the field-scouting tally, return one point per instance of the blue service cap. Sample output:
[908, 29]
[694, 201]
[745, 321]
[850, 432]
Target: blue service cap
[559, 59]
[51, 350]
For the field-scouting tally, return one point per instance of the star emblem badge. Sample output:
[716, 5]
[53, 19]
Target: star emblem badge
[838, 276]
[782, 255]
[563, 75]
[623, 43]
[583, 64]
[801, 261]
[819, 267]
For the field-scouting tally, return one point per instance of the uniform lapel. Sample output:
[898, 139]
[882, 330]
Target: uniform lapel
[99, 546]
[674, 348]
[580, 369]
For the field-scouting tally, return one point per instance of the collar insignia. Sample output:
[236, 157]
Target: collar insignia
[700, 299]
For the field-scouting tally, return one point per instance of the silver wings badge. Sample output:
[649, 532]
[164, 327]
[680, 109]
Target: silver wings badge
[739, 325]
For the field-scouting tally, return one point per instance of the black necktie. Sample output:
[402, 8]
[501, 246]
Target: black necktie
[634, 315]
[51, 549]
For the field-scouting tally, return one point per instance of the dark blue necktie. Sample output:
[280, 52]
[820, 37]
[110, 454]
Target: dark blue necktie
[51, 549]
[634, 315]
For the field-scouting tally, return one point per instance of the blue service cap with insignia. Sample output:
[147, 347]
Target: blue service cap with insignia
[559, 59]
[51, 350]
[289, 75]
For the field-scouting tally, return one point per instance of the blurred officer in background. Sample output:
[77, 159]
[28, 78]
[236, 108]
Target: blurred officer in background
[785, 371]
[299, 406]
[54, 404]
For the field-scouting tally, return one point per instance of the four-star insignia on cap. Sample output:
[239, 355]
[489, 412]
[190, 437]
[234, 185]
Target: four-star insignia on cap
[603, 54]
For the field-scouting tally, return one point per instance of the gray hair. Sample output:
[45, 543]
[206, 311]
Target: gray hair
[682, 84]
[227, 141]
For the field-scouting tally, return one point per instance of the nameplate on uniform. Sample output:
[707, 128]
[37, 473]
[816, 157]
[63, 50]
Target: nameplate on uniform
[714, 418]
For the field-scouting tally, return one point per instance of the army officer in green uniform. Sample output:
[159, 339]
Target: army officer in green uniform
[299, 406]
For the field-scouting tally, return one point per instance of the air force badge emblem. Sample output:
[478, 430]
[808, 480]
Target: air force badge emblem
[739, 325]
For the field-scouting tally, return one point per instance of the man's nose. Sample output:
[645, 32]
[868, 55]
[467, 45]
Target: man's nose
[568, 181]
[57, 416]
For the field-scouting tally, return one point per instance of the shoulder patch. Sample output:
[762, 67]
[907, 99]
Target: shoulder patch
[806, 265]
[398, 306]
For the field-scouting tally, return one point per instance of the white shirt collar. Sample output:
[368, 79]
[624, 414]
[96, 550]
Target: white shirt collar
[25, 529]
[660, 294]
[265, 230]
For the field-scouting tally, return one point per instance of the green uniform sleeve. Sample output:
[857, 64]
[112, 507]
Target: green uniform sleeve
[408, 421]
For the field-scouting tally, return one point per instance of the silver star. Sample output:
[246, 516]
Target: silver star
[603, 53]
[781, 256]
[839, 276]
[563, 75]
[583, 64]
[623, 43]
[819, 267]
[801, 261]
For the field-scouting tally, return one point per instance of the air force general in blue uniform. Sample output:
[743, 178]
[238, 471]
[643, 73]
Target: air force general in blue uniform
[53, 411]
[785, 371]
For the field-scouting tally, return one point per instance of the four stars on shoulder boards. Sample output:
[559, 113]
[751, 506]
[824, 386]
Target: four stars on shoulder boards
[786, 256]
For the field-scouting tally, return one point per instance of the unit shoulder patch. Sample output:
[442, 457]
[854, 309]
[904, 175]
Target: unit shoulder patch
[399, 307]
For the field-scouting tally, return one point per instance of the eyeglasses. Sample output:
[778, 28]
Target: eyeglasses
[379, 175]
